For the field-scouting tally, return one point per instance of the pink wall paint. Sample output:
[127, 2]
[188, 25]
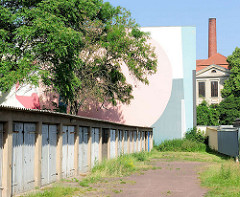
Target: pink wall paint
[149, 100]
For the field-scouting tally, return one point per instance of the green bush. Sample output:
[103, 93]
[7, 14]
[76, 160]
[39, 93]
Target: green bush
[182, 145]
[195, 135]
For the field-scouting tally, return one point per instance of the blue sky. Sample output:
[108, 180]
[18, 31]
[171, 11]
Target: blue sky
[191, 13]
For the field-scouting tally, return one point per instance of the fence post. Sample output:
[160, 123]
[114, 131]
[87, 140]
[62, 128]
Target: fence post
[7, 158]
[100, 145]
[59, 152]
[38, 155]
[76, 149]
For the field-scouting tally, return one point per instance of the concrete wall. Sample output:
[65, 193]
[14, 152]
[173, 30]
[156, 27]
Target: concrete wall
[10, 117]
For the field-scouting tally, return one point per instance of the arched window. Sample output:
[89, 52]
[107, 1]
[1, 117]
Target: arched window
[214, 71]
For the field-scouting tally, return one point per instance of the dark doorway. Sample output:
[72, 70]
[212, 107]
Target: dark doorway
[105, 135]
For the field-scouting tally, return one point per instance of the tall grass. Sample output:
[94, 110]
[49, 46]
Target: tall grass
[182, 145]
[222, 180]
[121, 166]
[55, 191]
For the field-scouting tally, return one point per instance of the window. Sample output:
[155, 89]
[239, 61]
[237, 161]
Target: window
[201, 89]
[214, 71]
[214, 89]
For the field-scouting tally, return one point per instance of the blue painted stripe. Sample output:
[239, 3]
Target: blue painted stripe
[189, 64]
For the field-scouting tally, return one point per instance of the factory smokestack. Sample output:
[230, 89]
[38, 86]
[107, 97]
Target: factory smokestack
[212, 37]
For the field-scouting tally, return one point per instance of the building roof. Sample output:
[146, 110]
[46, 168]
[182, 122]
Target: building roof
[216, 59]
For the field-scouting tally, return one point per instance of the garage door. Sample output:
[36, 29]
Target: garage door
[83, 149]
[23, 157]
[120, 150]
[131, 141]
[1, 158]
[95, 146]
[112, 143]
[134, 141]
[139, 141]
[142, 140]
[125, 142]
[49, 144]
[68, 151]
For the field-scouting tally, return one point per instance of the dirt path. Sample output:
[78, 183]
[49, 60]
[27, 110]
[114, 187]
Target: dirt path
[175, 179]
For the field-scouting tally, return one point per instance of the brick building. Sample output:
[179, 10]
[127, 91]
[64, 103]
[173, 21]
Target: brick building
[212, 72]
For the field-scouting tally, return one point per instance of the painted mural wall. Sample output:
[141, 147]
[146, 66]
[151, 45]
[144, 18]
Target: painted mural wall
[165, 104]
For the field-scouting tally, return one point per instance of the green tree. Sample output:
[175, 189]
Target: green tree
[232, 84]
[74, 47]
[229, 110]
[207, 115]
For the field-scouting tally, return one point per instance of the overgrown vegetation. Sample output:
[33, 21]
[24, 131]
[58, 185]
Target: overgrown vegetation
[121, 166]
[56, 191]
[222, 179]
[193, 142]
[207, 114]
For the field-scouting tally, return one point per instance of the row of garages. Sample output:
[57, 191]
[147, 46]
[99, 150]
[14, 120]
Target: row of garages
[38, 148]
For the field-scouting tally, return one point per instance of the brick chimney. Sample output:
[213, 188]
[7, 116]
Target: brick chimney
[212, 37]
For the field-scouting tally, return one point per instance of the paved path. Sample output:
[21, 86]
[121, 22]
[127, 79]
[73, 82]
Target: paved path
[175, 179]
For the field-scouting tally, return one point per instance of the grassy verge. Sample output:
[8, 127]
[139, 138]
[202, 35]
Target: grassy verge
[124, 165]
[182, 145]
[223, 179]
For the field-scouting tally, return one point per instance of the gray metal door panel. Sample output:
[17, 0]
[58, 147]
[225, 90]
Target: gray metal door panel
[70, 153]
[80, 151]
[17, 158]
[125, 142]
[85, 150]
[139, 140]
[135, 141]
[45, 153]
[119, 142]
[112, 143]
[228, 143]
[64, 151]
[142, 141]
[131, 143]
[1, 159]
[52, 153]
[29, 152]
[95, 146]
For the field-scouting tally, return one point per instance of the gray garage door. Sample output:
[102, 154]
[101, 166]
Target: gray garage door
[49, 151]
[68, 151]
[1, 158]
[134, 141]
[142, 140]
[139, 141]
[131, 141]
[83, 149]
[125, 142]
[95, 146]
[120, 149]
[23, 157]
[112, 143]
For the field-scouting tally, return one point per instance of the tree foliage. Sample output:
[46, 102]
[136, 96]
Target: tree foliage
[207, 115]
[232, 85]
[74, 47]
[229, 110]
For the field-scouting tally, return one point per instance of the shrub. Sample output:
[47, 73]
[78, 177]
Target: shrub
[195, 135]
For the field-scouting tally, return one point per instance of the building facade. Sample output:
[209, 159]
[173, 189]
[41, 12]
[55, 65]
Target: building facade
[212, 72]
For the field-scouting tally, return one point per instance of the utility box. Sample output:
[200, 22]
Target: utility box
[228, 141]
